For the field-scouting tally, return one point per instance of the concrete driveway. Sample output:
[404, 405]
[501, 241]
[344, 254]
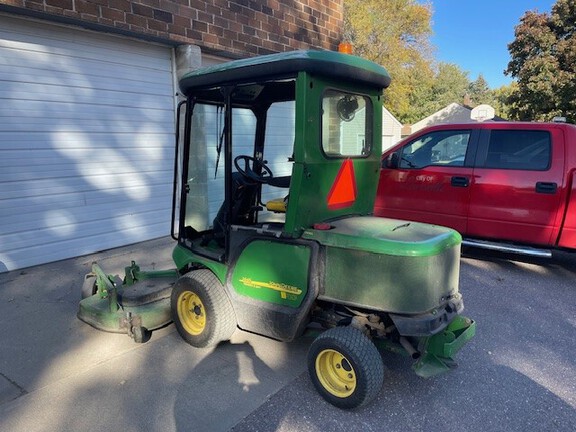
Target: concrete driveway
[59, 374]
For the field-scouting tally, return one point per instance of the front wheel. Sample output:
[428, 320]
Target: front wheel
[141, 334]
[89, 287]
[201, 309]
[345, 367]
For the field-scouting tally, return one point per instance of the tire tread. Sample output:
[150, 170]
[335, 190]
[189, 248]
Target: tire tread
[359, 349]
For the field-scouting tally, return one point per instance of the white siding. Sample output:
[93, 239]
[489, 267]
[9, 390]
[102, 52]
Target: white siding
[391, 130]
[86, 142]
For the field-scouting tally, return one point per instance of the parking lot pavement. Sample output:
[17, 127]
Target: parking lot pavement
[59, 374]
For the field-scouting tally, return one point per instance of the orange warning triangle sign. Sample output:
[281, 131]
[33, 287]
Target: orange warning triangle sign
[343, 191]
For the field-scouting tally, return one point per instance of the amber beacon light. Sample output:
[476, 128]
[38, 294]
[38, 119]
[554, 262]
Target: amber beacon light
[345, 47]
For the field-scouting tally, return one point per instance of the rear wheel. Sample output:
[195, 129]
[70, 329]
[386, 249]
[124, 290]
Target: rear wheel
[201, 309]
[345, 367]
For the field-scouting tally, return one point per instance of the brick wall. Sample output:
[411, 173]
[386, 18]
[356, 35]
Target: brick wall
[235, 27]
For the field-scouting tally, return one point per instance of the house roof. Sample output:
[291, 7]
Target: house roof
[452, 113]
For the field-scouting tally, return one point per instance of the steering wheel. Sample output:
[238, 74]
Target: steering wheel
[249, 171]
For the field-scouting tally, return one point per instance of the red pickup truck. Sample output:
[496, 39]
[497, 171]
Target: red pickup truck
[502, 185]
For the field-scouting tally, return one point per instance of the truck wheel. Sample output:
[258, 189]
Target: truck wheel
[201, 309]
[345, 367]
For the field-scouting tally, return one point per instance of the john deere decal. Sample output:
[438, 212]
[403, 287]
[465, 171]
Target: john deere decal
[283, 288]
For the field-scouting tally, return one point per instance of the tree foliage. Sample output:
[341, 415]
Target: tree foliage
[501, 100]
[451, 84]
[479, 91]
[395, 34]
[543, 61]
[447, 84]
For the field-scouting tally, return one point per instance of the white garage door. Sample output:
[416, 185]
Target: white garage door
[86, 142]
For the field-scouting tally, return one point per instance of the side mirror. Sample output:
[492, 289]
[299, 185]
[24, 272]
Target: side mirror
[391, 161]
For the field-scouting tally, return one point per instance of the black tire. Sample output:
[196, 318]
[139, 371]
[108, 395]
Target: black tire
[345, 367]
[141, 334]
[201, 309]
[89, 287]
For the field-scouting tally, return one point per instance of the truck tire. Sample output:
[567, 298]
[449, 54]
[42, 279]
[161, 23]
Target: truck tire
[201, 309]
[345, 367]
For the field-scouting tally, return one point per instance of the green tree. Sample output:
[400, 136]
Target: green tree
[501, 100]
[395, 34]
[450, 85]
[479, 91]
[543, 60]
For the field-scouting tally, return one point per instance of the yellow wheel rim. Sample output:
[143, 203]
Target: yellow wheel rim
[191, 313]
[335, 373]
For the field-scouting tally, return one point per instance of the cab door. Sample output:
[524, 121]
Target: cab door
[337, 150]
[429, 179]
[519, 188]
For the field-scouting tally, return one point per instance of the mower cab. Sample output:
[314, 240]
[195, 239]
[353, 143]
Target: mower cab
[277, 165]
[295, 143]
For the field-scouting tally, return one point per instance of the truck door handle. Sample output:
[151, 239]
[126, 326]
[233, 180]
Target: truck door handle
[459, 181]
[546, 187]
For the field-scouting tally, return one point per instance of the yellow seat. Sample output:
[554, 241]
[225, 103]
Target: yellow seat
[277, 205]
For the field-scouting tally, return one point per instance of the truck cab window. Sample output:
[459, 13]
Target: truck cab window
[518, 149]
[436, 148]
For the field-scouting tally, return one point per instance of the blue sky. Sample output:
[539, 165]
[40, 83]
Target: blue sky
[475, 34]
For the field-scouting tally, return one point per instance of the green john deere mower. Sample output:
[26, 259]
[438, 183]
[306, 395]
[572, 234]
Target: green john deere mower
[277, 167]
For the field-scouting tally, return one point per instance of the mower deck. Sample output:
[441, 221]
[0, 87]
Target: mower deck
[135, 307]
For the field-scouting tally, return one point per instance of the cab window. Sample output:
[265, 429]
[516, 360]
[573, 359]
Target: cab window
[346, 124]
[439, 148]
[519, 149]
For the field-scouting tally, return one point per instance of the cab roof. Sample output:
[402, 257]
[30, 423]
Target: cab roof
[287, 65]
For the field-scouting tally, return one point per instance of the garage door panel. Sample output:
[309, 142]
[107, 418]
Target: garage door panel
[42, 157]
[30, 208]
[86, 142]
[54, 232]
[62, 45]
[141, 144]
[53, 222]
[23, 111]
[58, 93]
[111, 164]
[32, 254]
[90, 170]
[33, 188]
[89, 75]
[57, 126]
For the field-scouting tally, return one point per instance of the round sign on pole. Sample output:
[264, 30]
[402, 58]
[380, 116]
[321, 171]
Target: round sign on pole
[482, 112]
